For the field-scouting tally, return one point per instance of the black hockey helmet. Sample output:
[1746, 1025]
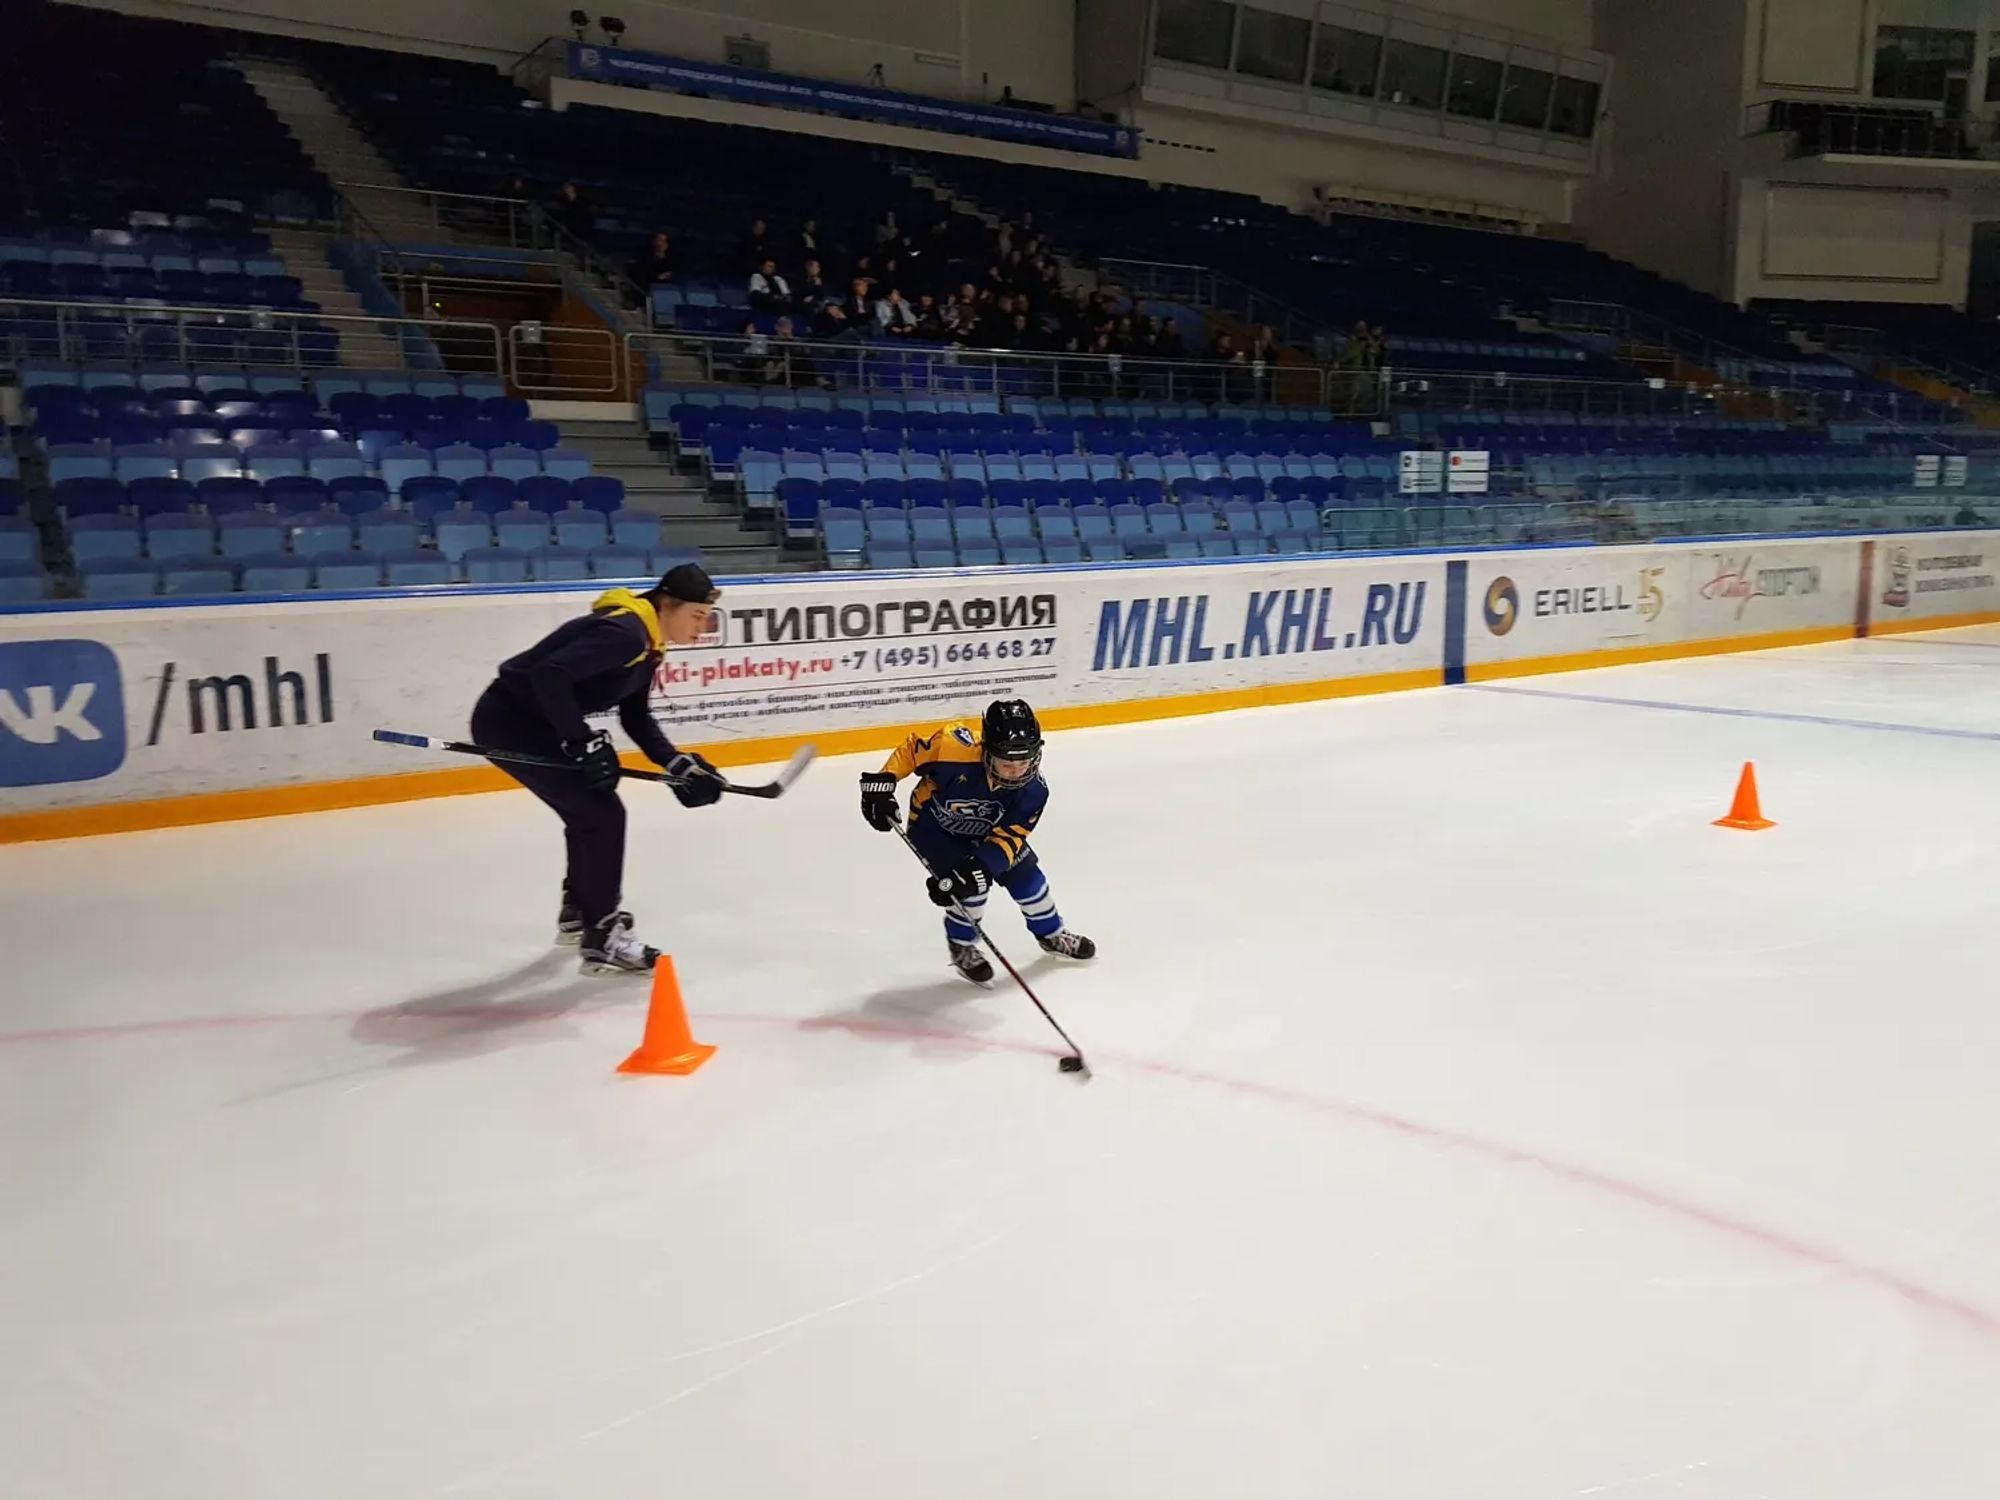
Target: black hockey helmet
[1010, 731]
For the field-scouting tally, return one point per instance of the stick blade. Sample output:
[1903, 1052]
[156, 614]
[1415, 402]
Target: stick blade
[796, 766]
[391, 737]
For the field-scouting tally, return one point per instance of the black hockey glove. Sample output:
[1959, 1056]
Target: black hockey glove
[596, 759]
[693, 780]
[956, 887]
[878, 801]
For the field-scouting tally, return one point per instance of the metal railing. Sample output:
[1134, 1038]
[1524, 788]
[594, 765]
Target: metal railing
[257, 339]
[889, 367]
[1477, 392]
[1216, 291]
[1906, 133]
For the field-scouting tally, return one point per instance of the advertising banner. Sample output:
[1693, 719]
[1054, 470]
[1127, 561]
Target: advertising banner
[1562, 601]
[110, 706]
[678, 75]
[1927, 577]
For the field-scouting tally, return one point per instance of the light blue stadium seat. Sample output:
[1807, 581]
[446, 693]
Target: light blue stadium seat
[198, 579]
[618, 562]
[519, 528]
[497, 565]
[179, 534]
[459, 461]
[386, 530]
[566, 463]
[104, 538]
[458, 532]
[561, 565]
[414, 569]
[331, 461]
[323, 531]
[402, 463]
[119, 578]
[23, 583]
[275, 573]
[582, 530]
[267, 461]
[512, 461]
[635, 528]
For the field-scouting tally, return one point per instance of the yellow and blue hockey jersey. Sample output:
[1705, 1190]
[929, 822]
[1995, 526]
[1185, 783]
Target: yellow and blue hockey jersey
[955, 797]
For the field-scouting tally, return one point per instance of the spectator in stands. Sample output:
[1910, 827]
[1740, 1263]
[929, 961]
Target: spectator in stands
[655, 267]
[754, 362]
[1263, 362]
[572, 211]
[756, 247]
[858, 307]
[930, 319]
[894, 315]
[887, 230]
[830, 322]
[1378, 347]
[769, 292]
[807, 243]
[790, 365]
[812, 292]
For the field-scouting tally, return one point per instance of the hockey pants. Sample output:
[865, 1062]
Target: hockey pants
[1024, 881]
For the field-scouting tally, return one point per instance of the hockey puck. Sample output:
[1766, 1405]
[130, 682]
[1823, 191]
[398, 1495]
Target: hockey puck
[1071, 1065]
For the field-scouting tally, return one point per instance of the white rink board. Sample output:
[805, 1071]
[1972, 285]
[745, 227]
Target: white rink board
[1928, 577]
[136, 704]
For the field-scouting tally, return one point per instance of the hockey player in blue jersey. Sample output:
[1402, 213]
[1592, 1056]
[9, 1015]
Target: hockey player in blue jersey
[978, 797]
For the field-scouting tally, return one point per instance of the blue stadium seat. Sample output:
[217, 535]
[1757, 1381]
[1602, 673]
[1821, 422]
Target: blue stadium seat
[179, 534]
[23, 583]
[275, 573]
[635, 528]
[119, 578]
[414, 569]
[89, 497]
[194, 578]
[581, 529]
[459, 531]
[599, 492]
[561, 565]
[361, 570]
[460, 461]
[295, 496]
[566, 463]
[386, 530]
[618, 562]
[103, 538]
[497, 565]
[519, 528]
[402, 463]
[321, 532]
[490, 494]
[247, 533]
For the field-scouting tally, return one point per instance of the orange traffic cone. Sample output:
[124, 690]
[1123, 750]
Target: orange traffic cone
[1744, 811]
[667, 1047]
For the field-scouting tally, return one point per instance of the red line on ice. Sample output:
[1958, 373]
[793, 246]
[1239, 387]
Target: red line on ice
[1965, 1314]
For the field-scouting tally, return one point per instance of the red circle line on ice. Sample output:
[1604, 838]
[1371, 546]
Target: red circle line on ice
[1776, 1242]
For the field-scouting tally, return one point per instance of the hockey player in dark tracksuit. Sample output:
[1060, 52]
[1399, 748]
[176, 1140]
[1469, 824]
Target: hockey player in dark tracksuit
[538, 703]
[978, 797]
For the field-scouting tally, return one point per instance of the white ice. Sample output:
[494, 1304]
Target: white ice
[1471, 1119]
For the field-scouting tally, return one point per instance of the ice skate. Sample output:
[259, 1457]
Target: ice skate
[1067, 944]
[569, 926]
[610, 948]
[969, 961]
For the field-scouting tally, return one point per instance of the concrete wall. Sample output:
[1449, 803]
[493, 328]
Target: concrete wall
[1854, 241]
[1808, 49]
[951, 48]
[1110, 50]
[1662, 199]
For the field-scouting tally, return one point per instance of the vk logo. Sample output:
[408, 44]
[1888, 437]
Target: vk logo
[62, 712]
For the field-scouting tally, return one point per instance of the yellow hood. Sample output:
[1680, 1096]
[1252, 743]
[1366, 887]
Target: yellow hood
[624, 601]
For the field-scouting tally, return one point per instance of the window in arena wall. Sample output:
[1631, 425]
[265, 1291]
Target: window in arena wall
[1525, 100]
[1413, 74]
[1346, 61]
[1475, 87]
[1195, 31]
[1913, 62]
[1575, 108]
[1269, 45]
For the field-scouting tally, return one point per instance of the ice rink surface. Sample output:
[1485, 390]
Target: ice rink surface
[1471, 1121]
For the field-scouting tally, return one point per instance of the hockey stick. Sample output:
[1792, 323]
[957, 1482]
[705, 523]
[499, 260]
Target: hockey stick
[1075, 1052]
[793, 769]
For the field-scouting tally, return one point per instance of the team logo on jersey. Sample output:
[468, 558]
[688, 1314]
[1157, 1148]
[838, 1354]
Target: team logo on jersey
[968, 815]
[962, 735]
[1502, 605]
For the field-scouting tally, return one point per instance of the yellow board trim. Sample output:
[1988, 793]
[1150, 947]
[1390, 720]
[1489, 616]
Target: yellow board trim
[1941, 622]
[371, 791]
[1626, 656]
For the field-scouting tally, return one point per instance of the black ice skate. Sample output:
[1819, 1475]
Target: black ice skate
[1067, 944]
[569, 926]
[610, 948]
[969, 961]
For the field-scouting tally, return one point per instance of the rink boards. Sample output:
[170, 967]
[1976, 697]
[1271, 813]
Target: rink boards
[160, 714]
